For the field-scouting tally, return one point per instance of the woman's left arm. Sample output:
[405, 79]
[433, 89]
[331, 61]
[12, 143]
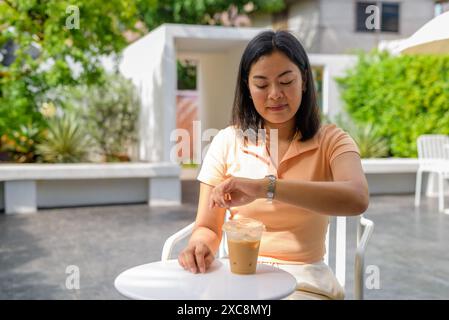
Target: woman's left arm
[346, 195]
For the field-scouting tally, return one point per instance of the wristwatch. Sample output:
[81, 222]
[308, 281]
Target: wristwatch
[271, 187]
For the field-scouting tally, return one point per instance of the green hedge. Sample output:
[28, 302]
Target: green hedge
[402, 96]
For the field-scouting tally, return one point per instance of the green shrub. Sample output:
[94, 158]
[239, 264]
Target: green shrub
[402, 96]
[65, 141]
[109, 113]
[186, 75]
[38, 46]
[370, 143]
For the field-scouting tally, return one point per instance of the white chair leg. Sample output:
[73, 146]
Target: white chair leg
[440, 192]
[418, 188]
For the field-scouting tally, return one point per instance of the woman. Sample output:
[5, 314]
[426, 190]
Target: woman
[292, 177]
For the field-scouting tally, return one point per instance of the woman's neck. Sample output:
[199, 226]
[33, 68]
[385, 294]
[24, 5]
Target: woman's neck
[285, 130]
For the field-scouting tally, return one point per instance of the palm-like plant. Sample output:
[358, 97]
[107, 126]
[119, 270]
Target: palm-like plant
[370, 143]
[65, 142]
[109, 113]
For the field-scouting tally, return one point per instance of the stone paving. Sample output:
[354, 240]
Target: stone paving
[409, 247]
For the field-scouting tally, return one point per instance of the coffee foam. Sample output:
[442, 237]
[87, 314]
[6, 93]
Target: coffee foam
[244, 229]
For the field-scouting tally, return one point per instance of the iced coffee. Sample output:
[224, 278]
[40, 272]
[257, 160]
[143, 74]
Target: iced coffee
[243, 238]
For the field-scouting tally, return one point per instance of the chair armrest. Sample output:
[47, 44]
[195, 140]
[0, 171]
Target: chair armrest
[174, 239]
[364, 232]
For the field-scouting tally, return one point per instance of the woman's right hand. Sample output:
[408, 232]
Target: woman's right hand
[196, 257]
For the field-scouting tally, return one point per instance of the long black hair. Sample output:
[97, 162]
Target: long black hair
[244, 114]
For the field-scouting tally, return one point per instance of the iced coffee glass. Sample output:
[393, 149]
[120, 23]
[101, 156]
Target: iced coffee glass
[243, 236]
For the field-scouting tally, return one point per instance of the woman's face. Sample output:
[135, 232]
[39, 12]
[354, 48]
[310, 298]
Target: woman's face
[275, 85]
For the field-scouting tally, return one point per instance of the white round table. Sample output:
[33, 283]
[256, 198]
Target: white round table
[167, 280]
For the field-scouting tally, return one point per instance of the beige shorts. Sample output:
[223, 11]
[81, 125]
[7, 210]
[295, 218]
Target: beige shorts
[315, 281]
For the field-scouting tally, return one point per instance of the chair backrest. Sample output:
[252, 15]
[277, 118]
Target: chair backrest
[335, 240]
[433, 147]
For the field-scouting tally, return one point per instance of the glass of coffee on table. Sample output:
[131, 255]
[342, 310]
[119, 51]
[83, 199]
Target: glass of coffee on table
[243, 237]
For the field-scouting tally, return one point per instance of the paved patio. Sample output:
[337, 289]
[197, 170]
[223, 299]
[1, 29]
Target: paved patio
[409, 246]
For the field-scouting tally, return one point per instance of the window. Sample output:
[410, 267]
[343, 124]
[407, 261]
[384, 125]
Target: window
[388, 16]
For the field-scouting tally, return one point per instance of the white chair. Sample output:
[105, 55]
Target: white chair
[433, 156]
[364, 230]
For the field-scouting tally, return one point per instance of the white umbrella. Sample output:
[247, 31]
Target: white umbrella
[432, 38]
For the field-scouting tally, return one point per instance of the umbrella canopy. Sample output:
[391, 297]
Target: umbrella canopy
[432, 38]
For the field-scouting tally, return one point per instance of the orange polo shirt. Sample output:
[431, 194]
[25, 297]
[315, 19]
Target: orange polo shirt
[293, 234]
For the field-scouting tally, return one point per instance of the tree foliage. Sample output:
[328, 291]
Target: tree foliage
[157, 12]
[65, 55]
[49, 43]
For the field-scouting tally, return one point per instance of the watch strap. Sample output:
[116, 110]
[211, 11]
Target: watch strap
[271, 187]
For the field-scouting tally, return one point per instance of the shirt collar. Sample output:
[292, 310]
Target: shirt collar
[296, 148]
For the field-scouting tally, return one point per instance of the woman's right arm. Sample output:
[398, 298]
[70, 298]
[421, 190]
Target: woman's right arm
[206, 236]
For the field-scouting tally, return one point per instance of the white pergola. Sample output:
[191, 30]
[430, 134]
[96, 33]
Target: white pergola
[151, 64]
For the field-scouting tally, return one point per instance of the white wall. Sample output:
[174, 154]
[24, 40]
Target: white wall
[304, 20]
[217, 80]
[2, 201]
[150, 63]
[392, 183]
[215, 89]
[334, 66]
[62, 193]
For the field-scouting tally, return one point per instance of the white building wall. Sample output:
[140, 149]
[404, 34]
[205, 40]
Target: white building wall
[150, 63]
[328, 26]
[216, 73]
[338, 25]
[334, 66]
[62, 193]
[304, 20]
[2, 201]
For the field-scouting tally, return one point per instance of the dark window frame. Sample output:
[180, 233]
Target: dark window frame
[390, 3]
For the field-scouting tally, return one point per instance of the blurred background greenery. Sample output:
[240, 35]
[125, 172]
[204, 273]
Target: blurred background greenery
[58, 103]
[397, 98]
[42, 55]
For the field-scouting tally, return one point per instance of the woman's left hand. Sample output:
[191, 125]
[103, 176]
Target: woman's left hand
[236, 191]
